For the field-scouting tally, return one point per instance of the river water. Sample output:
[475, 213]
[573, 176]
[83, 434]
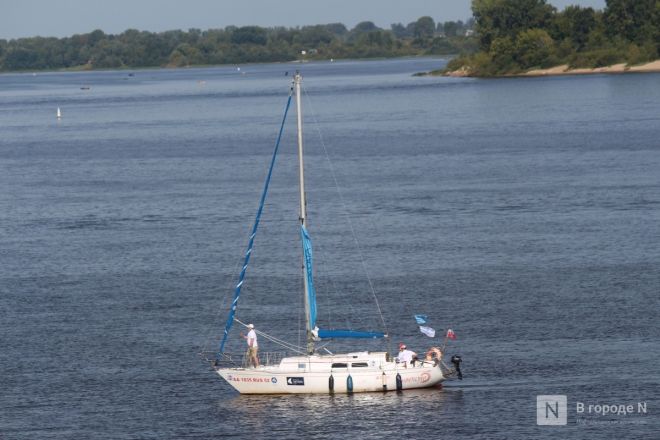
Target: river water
[522, 213]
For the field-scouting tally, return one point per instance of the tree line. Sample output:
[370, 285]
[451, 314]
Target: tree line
[518, 35]
[234, 45]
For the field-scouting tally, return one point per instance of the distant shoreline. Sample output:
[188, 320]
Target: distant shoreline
[562, 70]
[78, 69]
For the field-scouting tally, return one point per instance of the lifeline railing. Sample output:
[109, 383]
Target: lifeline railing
[242, 360]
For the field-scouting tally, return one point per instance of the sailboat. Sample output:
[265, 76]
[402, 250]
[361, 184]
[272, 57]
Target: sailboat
[312, 371]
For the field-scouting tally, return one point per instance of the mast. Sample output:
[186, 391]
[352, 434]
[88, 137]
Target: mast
[297, 80]
[303, 211]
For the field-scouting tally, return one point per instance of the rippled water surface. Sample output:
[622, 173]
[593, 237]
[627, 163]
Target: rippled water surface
[522, 213]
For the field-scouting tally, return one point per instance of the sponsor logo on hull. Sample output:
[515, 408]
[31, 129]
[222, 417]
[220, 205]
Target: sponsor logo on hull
[295, 381]
[422, 378]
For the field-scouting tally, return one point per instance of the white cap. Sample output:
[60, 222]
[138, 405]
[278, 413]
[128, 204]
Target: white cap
[250, 325]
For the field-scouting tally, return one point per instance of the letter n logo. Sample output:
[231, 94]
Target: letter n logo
[551, 410]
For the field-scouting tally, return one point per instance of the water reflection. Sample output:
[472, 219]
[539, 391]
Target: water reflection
[324, 416]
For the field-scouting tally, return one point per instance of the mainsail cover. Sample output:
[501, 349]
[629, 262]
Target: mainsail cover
[311, 293]
[311, 298]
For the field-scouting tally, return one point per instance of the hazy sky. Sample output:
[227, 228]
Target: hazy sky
[60, 18]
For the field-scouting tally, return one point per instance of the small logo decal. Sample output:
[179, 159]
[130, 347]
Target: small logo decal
[551, 410]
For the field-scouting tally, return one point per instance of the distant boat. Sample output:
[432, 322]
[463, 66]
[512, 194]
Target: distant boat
[85, 88]
[59, 113]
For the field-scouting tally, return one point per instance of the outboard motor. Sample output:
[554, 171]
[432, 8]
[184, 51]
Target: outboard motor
[456, 360]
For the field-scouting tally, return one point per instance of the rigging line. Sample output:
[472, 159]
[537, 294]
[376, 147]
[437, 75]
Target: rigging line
[212, 334]
[341, 197]
[335, 291]
[332, 287]
[223, 301]
[301, 312]
[262, 201]
[278, 341]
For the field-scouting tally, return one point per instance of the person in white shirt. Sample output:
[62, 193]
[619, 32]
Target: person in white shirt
[253, 347]
[406, 356]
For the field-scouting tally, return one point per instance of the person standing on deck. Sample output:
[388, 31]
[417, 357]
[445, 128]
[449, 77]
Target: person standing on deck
[253, 347]
[406, 356]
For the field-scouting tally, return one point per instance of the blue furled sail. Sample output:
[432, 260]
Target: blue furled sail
[241, 278]
[311, 296]
[311, 293]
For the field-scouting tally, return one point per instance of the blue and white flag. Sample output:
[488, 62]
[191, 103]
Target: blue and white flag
[428, 331]
[421, 319]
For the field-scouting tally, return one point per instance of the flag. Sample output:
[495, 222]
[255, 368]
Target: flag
[421, 319]
[428, 331]
[451, 334]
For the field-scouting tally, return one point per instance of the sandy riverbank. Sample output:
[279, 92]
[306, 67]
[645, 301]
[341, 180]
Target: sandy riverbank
[653, 66]
[616, 68]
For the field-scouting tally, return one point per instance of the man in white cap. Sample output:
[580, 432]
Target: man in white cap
[252, 346]
[405, 356]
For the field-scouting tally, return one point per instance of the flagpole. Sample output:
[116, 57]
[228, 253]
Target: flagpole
[444, 344]
[447, 337]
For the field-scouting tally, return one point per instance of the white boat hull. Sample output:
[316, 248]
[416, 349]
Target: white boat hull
[364, 372]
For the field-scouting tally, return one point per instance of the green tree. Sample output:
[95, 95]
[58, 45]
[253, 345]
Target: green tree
[410, 29]
[249, 35]
[534, 48]
[574, 23]
[399, 30]
[337, 29]
[374, 43]
[95, 37]
[424, 27]
[361, 28]
[634, 20]
[313, 36]
[503, 53]
[21, 59]
[450, 28]
[364, 26]
[501, 18]
[185, 55]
